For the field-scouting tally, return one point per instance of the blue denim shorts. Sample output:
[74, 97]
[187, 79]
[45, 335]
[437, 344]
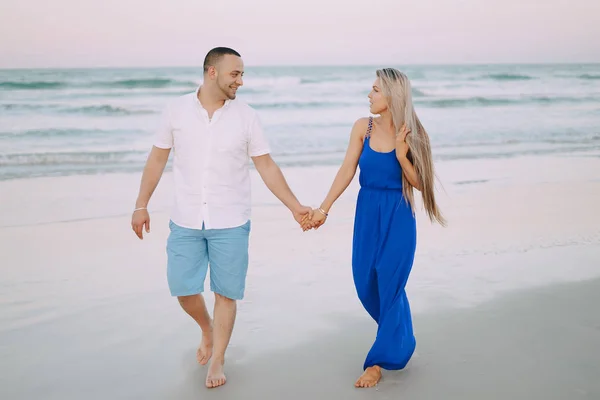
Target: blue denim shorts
[191, 251]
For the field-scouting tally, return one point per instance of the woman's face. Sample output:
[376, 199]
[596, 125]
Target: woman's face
[377, 99]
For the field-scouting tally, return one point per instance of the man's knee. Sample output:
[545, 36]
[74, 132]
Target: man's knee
[219, 298]
[186, 301]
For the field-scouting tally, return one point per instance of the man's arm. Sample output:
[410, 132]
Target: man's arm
[273, 177]
[155, 165]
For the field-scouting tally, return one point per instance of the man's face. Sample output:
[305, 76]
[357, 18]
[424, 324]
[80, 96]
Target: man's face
[230, 70]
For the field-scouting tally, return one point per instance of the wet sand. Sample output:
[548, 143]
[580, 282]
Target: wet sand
[532, 344]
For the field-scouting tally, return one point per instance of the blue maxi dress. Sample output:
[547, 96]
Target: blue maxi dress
[383, 251]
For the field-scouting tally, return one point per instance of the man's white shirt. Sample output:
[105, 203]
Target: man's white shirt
[211, 160]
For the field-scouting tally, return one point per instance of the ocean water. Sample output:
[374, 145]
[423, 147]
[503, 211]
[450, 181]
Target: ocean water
[88, 121]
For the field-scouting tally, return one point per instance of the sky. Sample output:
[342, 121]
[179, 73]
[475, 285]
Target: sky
[130, 33]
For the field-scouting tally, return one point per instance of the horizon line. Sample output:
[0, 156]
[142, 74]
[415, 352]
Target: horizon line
[332, 65]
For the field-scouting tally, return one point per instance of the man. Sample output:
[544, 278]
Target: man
[213, 136]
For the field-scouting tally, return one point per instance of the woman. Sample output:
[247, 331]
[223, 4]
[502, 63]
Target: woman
[394, 156]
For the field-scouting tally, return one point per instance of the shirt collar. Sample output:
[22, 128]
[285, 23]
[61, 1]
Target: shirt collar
[225, 105]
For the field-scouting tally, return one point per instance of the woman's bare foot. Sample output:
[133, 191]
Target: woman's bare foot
[205, 349]
[215, 377]
[369, 378]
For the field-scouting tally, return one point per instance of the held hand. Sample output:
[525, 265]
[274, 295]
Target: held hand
[139, 219]
[318, 219]
[301, 214]
[401, 145]
[306, 222]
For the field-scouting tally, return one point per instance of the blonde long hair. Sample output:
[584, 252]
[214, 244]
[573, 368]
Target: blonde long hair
[397, 89]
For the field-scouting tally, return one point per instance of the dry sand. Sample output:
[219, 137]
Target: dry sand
[504, 299]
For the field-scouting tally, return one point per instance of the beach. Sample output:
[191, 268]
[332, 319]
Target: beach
[503, 299]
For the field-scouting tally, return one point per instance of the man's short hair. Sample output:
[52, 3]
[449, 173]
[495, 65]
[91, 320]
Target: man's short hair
[216, 54]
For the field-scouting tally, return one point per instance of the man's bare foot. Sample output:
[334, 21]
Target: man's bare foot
[215, 377]
[205, 349]
[369, 378]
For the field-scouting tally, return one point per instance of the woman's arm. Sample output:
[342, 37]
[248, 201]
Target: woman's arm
[402, 155]
[409, 171]
[346, 172]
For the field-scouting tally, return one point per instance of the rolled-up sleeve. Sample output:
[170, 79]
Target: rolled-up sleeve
[163, 137]
[258, 144]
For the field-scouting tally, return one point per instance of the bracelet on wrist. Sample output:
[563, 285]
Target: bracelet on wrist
[323, 212]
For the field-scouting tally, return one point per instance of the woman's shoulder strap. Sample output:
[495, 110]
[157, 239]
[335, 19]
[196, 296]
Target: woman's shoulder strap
[369, 128]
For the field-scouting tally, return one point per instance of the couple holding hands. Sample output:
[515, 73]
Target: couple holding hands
[213, 135]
